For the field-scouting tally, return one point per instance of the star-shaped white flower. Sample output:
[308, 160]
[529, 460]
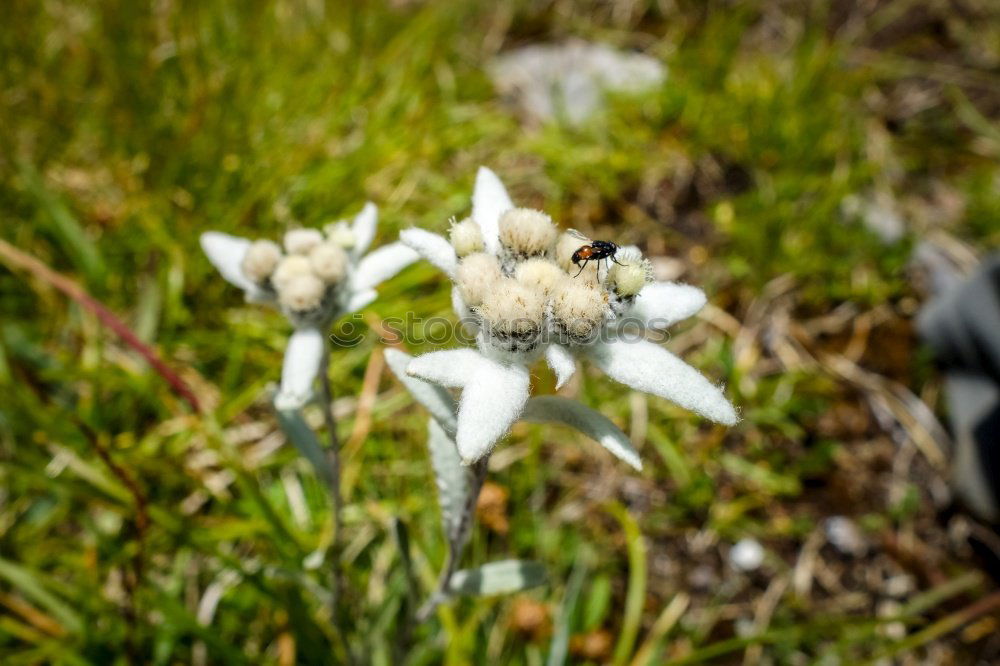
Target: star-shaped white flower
[530, 297]
[320, 276]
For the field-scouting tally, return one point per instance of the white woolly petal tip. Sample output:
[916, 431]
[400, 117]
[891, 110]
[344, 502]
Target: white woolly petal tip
[562, 362]
[489, 201]
[261, 259]
[359, 300]
[432, 247]
[300, 241]
[526, 232]
[649, 368]
[724, 413]
[301, 364]
[396, 358]
[466, 237]
[492, 400]
[662, 304]
[476, 276]
[451, 367]
[363, 227]
[226, 253]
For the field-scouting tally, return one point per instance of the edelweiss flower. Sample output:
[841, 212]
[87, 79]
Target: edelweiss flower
[516, 281]
[321, 275]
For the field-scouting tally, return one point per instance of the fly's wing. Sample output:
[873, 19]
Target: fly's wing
[576, 234]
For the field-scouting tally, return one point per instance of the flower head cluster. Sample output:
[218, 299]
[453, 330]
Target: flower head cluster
[514, 277]
[314, 277]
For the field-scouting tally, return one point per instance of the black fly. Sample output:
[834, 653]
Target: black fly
[594, 250]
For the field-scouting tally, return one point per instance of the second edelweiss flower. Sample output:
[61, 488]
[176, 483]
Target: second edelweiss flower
[321, 275]
[514, 275]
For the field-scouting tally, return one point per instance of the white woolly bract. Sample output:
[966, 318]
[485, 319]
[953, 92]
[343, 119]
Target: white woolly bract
[526, 232]
[476, 276]
[451, 367]
[466, 237]
[290, 268]
[562, 362]
[303, 356]
[329, 262]
[226, 253]
[451, 477]
[491, 401]
[432, 247]
[593, 424]
[434, 397]
[302, 293]
[379, 265]
[578, 308]
[512, 308]
[359, 299]
[630, 274]
[652, 369]
[260, 260]
[300, 241]
[489, 201]
[663, 304]
[363, 228]
[539, 273]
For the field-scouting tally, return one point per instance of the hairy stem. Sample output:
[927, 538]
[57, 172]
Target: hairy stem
[457, 541]
[336, 502]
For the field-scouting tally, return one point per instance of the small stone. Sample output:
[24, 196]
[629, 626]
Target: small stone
[899, 586]
[569, 80]
[845, 536]
[746, 555]
[702, 577]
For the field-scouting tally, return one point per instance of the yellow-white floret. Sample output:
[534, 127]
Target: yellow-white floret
[261, 259]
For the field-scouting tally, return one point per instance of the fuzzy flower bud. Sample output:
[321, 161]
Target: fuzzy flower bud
[261, 259]
[539, 273]
[476, 276]
[302, 293]
[632, 272]
[578, 309]
[329, 262]
[526, 233]
[564, 249]
[513, 314]
[466, 237]
[289, 268]
[339, 233]
[300, 241]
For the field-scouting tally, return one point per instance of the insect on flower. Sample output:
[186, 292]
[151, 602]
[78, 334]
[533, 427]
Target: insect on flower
[594, 250]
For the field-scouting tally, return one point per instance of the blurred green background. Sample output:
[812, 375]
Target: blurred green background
[135, 531]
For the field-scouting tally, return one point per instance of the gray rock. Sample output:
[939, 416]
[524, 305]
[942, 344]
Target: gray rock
[549, 80]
